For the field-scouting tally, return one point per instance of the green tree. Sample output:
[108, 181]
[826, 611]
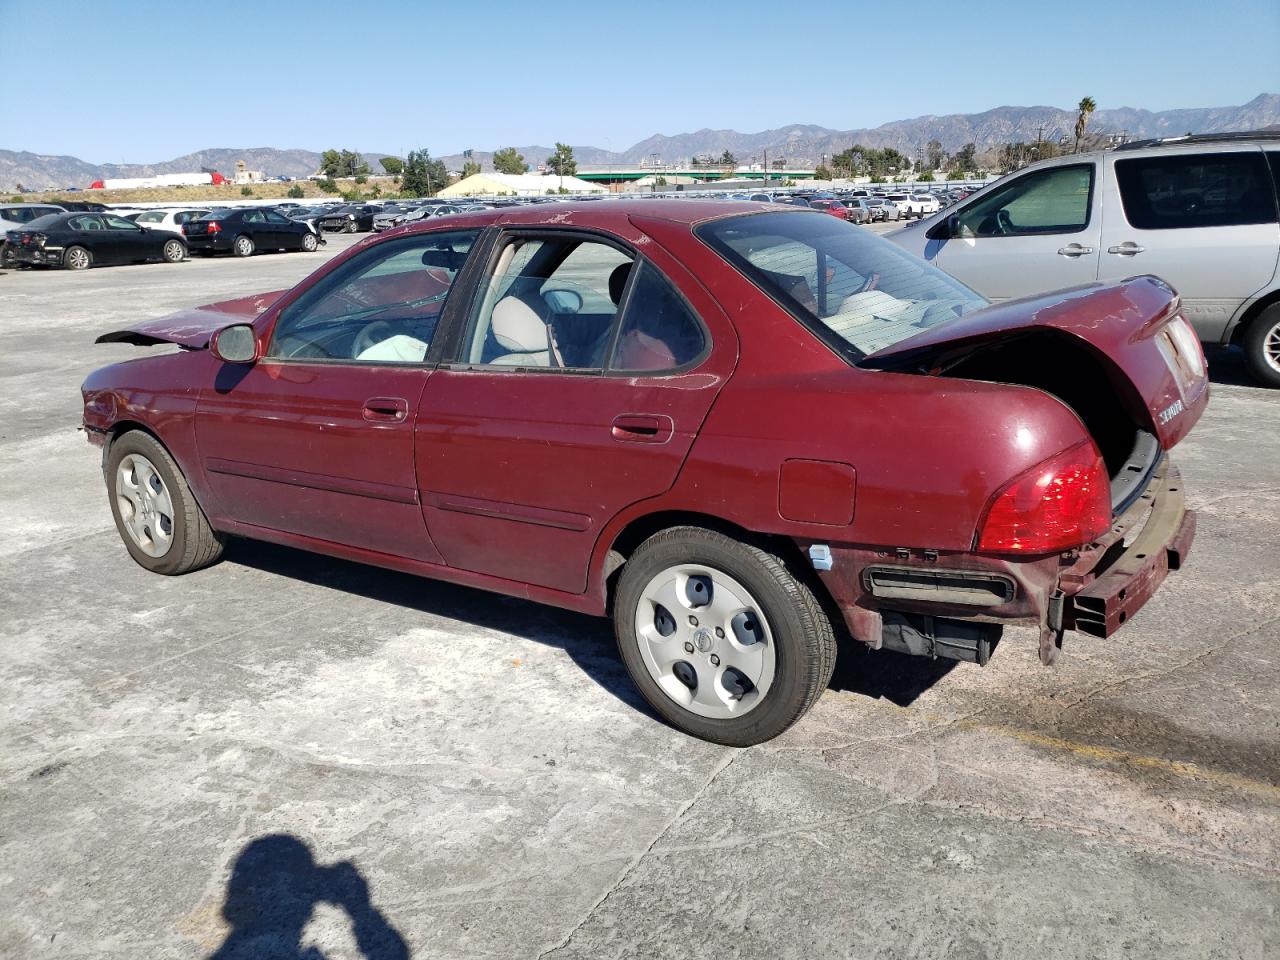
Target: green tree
[362, 179]
[422, 176]
[561, 163]
[246, 192]
[728, 159]
[508, 160]
[327, 185]
[393, 165]
[822, 173]
[964, 159]
[1085, 108]
[935, 156]
[469, 169]
[296, 192]
[926, 177]
[955, 175]
[343, 163]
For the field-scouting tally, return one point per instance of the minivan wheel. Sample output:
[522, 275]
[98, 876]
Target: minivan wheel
[309, 242]
[174, 251]
[243, 247]
[1262, 346]
[162, 526]
[720, 637]
[76, 258]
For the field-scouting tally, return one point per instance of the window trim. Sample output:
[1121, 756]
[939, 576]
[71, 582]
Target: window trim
[428, 360]
[503, 233]
[1094, 174]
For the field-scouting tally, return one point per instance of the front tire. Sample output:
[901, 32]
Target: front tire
[156, 515]
[309, 242]
[720, 637]
[77, 258]
[350, 227]
[243, 247]
[1262, 346]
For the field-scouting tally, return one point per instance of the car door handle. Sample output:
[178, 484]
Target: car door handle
[386, 409]
[1074, 250]
[1126, 249]
[642, 428]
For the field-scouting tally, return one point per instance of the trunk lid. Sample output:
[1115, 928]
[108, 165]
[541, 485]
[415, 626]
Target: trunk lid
[193, 328]
[1151, 359]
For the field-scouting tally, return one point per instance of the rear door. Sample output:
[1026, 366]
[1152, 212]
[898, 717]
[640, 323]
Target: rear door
[1204, 222]
[1040, 231]
[577, 386]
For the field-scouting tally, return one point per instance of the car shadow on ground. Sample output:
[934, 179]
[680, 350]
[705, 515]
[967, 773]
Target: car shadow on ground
[274, 888]
[1227, 367]
[589, 641]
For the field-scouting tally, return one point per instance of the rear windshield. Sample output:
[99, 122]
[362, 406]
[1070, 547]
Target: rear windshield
[858, 292]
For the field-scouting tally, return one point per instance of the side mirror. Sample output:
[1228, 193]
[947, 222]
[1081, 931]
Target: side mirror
[235, 344]
[948, 228]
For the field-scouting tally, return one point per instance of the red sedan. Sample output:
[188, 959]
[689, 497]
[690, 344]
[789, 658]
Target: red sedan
[724, 426]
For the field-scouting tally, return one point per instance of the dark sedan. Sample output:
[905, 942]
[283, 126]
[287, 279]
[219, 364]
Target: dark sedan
[78, 241]
[244, 232]
[353, 218]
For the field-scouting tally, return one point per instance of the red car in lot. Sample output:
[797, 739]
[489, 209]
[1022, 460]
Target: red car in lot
[727, 427]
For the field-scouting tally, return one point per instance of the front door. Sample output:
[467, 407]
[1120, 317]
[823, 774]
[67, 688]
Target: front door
[1038, 232]
[316, 438]
[576, 389]
[130, 241]
[1203, 222]
[282, 232]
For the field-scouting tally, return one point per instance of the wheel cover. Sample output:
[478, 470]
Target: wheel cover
[671, 620]
[78, 259]
[1271, 347]
[146, 508]
[173, 251]
[244, 244]
[309, 242]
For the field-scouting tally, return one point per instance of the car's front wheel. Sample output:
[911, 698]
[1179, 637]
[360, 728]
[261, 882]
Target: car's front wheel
[162, 526]
[723, 640]
[1262, 346]
[309, 242]
[243, 247]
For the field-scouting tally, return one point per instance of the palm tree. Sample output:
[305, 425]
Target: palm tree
[1086, 107]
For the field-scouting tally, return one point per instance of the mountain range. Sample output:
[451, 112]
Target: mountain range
[798, 144]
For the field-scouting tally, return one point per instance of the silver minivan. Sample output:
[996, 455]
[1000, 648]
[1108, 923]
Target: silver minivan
[1199, 212]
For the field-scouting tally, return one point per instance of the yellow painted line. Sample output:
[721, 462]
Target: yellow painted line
[1099, 754]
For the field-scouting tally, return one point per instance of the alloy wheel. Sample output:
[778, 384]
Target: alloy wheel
[78, 259]
[173, 251]
[705, 641]
[146, 508]
[1271, 347]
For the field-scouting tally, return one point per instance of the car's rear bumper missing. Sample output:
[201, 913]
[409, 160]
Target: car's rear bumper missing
[1111, 581]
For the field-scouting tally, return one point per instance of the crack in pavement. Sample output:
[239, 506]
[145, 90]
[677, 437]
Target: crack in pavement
[724, 764]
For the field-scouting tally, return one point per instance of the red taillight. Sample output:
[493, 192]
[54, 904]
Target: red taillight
[1064, 502]
[215, 226]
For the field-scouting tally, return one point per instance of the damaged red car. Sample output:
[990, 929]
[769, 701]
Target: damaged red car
[729, 428]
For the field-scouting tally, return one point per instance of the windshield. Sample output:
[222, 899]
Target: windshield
[857, 291]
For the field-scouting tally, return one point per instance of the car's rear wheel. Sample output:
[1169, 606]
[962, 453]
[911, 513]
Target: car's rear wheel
[162, 526]
[1262, 346]
[77, 258]
[722, 639]
[243, 247]
[174, 251]
[309, 242]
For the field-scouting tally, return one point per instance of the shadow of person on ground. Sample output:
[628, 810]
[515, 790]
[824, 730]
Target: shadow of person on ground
[275, 886]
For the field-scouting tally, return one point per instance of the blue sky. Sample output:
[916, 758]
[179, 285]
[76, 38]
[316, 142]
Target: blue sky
[148, 80]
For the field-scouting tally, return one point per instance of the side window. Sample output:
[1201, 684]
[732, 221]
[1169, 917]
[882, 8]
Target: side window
[274, 217]
[1196, 190]
[152, 216]
[120, 223]
[255, 216]
[1055, 200]
[379, 307]
[549, 302]
[84, 223]
[658, 332]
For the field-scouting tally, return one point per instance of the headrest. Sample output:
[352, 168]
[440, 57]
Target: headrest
[618, 282]
[517, 326]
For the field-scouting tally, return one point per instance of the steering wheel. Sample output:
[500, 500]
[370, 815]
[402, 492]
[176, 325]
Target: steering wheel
[371, 335]
[1004, 223]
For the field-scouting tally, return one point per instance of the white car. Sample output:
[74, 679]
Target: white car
[925, 204]
[171, 220]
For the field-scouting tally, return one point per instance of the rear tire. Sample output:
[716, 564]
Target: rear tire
[174, 251]
[754, 614]
[243, 247]
[156, 515]
[1262, 346]
[77, 258]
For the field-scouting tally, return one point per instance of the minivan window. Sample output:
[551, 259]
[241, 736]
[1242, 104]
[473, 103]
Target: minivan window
[1053, 200]
[1182, 191]
[856, 291]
